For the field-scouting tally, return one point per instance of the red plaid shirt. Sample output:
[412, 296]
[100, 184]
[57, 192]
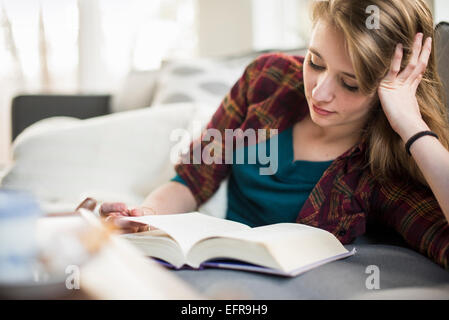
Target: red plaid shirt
[270, 95]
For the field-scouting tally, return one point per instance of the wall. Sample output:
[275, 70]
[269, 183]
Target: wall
[238, 26]
[441, 9]
[224, 27]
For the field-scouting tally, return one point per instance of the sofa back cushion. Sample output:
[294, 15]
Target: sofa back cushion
[442, 56]
[118, 157]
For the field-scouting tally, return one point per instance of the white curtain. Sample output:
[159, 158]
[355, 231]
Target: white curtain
[280, 24]
[89, 46]
[30, 60]
[84, 46]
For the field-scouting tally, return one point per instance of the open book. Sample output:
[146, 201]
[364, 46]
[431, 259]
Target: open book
[196, 240]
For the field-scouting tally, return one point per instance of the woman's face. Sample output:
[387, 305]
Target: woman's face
[329, 81]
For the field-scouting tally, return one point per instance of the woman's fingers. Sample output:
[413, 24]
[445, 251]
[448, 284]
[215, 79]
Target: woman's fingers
[145, 228]
[136, 212]
[416, 52]
[422, 62]
[141, 211]
[417, 64]
[108, 207]
[127, 226]
[113, 212]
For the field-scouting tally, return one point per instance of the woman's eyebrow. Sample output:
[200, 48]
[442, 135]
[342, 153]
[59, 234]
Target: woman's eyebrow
[350, 75]
[315, 52]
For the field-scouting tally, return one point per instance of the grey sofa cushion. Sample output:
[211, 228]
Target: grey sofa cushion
[442, 55]
[403, 274]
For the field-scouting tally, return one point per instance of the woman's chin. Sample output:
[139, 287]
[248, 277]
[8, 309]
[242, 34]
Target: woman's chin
[319, 120]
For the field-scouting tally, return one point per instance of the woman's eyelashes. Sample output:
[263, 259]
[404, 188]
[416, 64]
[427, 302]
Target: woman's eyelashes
[348, 87]
[315, 66]
[344, 84]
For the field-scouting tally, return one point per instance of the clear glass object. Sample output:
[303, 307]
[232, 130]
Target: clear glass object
[19, 212]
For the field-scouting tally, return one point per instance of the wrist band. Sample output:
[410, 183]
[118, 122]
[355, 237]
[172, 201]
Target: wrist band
[416, 137]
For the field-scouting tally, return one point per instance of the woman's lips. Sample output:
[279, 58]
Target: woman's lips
[321, 111]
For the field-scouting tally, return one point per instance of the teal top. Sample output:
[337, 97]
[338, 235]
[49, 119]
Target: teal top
[256, 199]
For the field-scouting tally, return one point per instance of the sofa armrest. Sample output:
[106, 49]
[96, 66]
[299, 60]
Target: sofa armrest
[28, 109]
[442, 55]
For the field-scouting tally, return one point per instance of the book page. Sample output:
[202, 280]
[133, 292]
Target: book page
[294, 245]
[157, 243]
[189, 228]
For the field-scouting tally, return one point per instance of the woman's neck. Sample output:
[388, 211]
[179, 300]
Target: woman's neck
[344, 135]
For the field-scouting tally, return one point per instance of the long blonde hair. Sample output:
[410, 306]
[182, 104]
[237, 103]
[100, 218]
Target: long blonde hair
[370, 51]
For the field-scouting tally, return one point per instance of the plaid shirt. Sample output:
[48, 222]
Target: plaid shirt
[270, 95]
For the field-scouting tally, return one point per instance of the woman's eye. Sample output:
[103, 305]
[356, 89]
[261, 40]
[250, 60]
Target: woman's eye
[348, 87]
[315, 66]
[320, 68]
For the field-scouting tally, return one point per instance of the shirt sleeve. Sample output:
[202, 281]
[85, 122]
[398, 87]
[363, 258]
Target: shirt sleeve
[414, 212]
[204, 179]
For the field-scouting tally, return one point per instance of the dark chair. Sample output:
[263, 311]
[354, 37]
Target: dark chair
[442, 55]
[28, 109]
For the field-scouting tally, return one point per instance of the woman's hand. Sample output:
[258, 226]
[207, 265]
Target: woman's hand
[115, 211]
[397, 91]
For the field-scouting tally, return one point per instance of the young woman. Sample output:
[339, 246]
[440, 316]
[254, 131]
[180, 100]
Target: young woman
[348, 115]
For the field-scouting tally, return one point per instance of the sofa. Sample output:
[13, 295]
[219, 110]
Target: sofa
[125, 155]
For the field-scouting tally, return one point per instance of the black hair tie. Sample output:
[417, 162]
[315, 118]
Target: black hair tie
[416, 137]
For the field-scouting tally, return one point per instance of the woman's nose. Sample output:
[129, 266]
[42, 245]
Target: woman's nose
[324, 89]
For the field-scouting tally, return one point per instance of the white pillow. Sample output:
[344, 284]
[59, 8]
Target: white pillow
[201, 80]
[118, 157]
[136, 91]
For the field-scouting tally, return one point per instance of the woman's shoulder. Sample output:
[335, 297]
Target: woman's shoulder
[278, 60]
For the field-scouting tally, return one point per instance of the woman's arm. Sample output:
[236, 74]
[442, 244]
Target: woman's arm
[203, 179]
[171, 197]
[397, 94]
[432, 159]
